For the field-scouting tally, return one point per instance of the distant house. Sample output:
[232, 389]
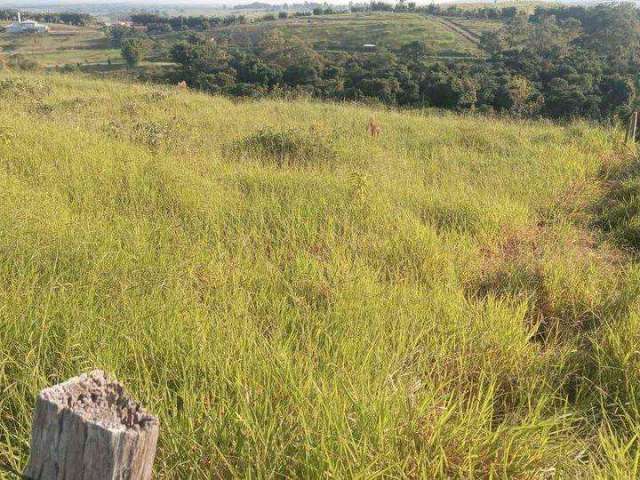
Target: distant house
[27, 26]
[369, 46]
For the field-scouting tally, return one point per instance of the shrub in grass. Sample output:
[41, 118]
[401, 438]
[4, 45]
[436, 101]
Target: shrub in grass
[459, 216]
[151, 133]
[291, 147]
[620, 213]
[21, 87]
[69, 68]
[20, 62]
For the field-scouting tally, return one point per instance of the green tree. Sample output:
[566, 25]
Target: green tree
[614, 32]
[133, 51]
[516, 94]
[618, 94]
[415, 51]
[203, 65]
[118, 33]
[493, 42]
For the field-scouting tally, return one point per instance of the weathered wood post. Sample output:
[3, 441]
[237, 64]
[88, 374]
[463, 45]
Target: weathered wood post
[88, 428]
[626, 133]
[632, 129]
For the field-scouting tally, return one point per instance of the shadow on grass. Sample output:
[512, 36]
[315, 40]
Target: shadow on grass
[8, 469]
[617, 214]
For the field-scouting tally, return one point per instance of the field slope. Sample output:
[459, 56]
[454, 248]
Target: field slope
[62, 45]
[349, 32]
[454, 299]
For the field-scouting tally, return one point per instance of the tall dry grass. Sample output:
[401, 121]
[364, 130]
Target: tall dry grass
[446, 300]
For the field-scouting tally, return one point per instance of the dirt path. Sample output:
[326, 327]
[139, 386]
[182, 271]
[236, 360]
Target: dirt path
[466, 33]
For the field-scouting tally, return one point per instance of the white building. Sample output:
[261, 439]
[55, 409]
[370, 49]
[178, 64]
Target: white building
[27, 26]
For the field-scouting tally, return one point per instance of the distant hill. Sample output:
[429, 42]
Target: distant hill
[267, 6]
[253, 6]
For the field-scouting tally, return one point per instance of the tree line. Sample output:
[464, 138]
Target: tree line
[158, 23]
[557, 63]
[155, 23]
[67, 18]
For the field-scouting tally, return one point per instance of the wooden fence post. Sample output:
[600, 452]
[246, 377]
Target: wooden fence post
[87, 428]
[626, 133]
[632, 129]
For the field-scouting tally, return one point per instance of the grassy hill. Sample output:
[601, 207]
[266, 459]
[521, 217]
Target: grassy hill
[349, 32]
[455, 298]
[64, 44]
[90, 47]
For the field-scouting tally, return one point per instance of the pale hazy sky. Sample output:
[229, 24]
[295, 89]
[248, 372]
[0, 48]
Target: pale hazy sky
[35, 3]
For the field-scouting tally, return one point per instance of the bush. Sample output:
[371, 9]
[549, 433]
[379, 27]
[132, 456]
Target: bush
[69, 68]
[20, 87]
[20, 62]
[153, 134]
[620, 214]
[133, 51]
[286, 147]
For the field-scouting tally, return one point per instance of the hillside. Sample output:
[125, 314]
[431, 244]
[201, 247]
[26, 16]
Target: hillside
[90, 48]
[295, 298]
[349, 32]
[63, 45]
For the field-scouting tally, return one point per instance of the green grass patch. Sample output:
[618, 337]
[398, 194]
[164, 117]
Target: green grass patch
[70, 46]
[349, 32]
[286, 148]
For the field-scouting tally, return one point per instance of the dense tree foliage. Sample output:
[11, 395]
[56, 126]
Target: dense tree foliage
[133, 50]
[578, 61]
[68, 18]
[200, 23]
[557, 62]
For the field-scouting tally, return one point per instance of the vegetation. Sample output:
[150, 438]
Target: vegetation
[453, 298]
[64, 45]
[556, 63]
[67, 18]
[308, 290]
[181, 23]
[133, 51]
[349, 32]
[328, 34]
[553, 62]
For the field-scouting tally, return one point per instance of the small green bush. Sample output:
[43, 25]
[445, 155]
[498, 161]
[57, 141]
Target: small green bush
[292, 147]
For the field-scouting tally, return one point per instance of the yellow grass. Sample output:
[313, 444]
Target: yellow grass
[295, 298]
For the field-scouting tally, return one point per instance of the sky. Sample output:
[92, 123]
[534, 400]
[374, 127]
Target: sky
[195, 3]
[32, 3]
[36, 3]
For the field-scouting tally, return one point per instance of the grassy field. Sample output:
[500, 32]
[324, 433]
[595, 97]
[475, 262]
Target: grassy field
[349, 32]
[63, 45]
[457, 298]
[66, 45]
